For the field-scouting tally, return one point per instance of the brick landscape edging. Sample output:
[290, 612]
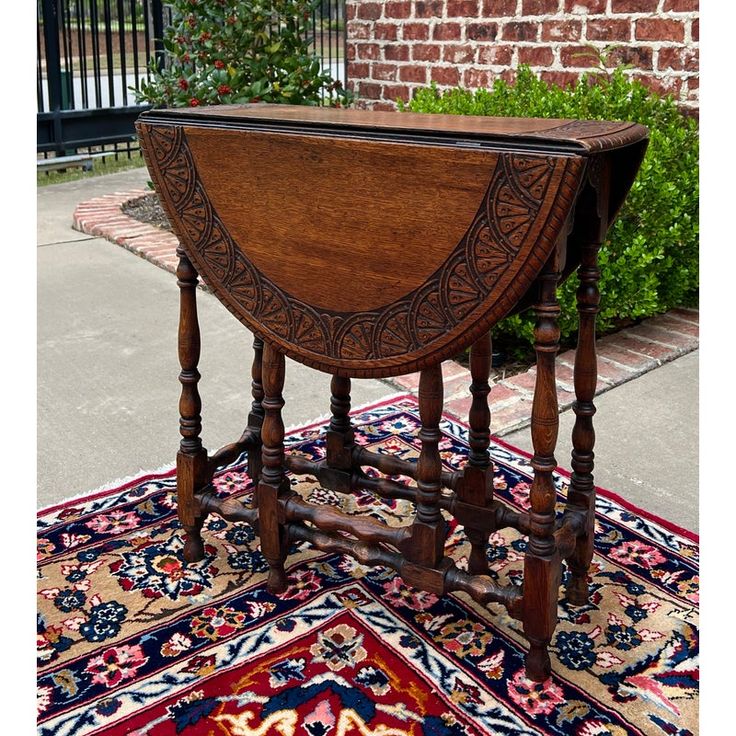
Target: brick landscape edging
[103, 216]
[622, 356]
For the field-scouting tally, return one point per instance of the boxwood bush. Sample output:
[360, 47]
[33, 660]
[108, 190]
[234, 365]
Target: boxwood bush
[649, 262]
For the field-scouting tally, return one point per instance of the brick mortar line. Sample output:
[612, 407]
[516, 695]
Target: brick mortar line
[635, 336]
[435, 20]
[647, 364]
[662, 73]
[667, 43]
[677, 317]
[109, 222]
[515, 45]
[673, 354]
[556, 14]
[657, 74]
[683, 16]
[553, 45]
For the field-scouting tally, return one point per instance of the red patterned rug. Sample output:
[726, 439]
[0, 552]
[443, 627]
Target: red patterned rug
[130, 641]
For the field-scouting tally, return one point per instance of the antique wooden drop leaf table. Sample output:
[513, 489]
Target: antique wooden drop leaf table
[370, 244]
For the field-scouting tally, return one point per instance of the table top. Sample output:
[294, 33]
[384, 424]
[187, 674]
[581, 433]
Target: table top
[369, 243]
[540, 133]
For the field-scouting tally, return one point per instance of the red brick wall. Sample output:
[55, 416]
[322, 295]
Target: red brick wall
[395, 46]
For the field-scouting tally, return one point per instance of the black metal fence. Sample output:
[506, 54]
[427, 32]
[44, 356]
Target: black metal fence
[91, 52]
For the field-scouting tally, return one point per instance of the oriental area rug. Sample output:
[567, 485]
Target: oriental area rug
[131, 641]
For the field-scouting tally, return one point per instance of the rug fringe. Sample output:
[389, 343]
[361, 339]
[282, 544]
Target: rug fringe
[109, 486]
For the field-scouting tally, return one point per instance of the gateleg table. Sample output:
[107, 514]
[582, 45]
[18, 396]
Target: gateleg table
[374, 244]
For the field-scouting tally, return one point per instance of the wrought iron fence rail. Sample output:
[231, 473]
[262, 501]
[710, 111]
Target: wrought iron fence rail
[91, 52]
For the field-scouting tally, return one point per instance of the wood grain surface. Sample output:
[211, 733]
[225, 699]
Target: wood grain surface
[370, 307]
[327, 220]
[590, 135]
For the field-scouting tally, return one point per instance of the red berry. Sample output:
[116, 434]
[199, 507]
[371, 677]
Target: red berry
[194, 102]
[184, 84]
[223, 89]
[219, 64]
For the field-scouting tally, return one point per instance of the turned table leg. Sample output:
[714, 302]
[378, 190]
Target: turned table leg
[581, 496]
[476, 486]
[191, 460]
[273, 482]
[426, 546]
[542, 561]
[255, 417]
[340, 432]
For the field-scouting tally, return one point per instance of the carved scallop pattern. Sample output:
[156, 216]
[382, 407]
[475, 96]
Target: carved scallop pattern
[243, 283]
[309, 330]
[427, 317]
[392, 331]
[459, 288]
[220, 255]
[274, 311]
[197, 221]
[164, 143]
[517, 190]
[531, 175]
[354, 341]
[488, 253]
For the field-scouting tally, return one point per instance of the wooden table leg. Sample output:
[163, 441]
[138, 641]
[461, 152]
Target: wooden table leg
[340, 433]
[191, 460]
[476, 486]
[273, 481]
[255, 417]
[426, 546]
[581, 496]
[542, 560]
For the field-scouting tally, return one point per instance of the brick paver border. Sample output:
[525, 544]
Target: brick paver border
[622, 356]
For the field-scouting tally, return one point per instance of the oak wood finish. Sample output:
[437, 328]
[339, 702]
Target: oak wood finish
[469, 282]
[427, 543]
[476, 485]
[581, 495]
[287, 214]
[273, 482]
[191, 460]
[542, 559]
[255, 417]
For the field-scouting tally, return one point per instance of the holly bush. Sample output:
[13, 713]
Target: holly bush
[237, 51]
[649, 261]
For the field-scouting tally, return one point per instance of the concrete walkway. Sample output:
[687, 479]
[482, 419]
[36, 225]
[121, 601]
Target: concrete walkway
[646, 441]
[107, 367]
[107, 362]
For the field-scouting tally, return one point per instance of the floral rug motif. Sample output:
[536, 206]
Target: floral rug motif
[132, 641]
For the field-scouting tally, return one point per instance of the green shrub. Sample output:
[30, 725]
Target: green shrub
[237, 51]
[649, 263]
